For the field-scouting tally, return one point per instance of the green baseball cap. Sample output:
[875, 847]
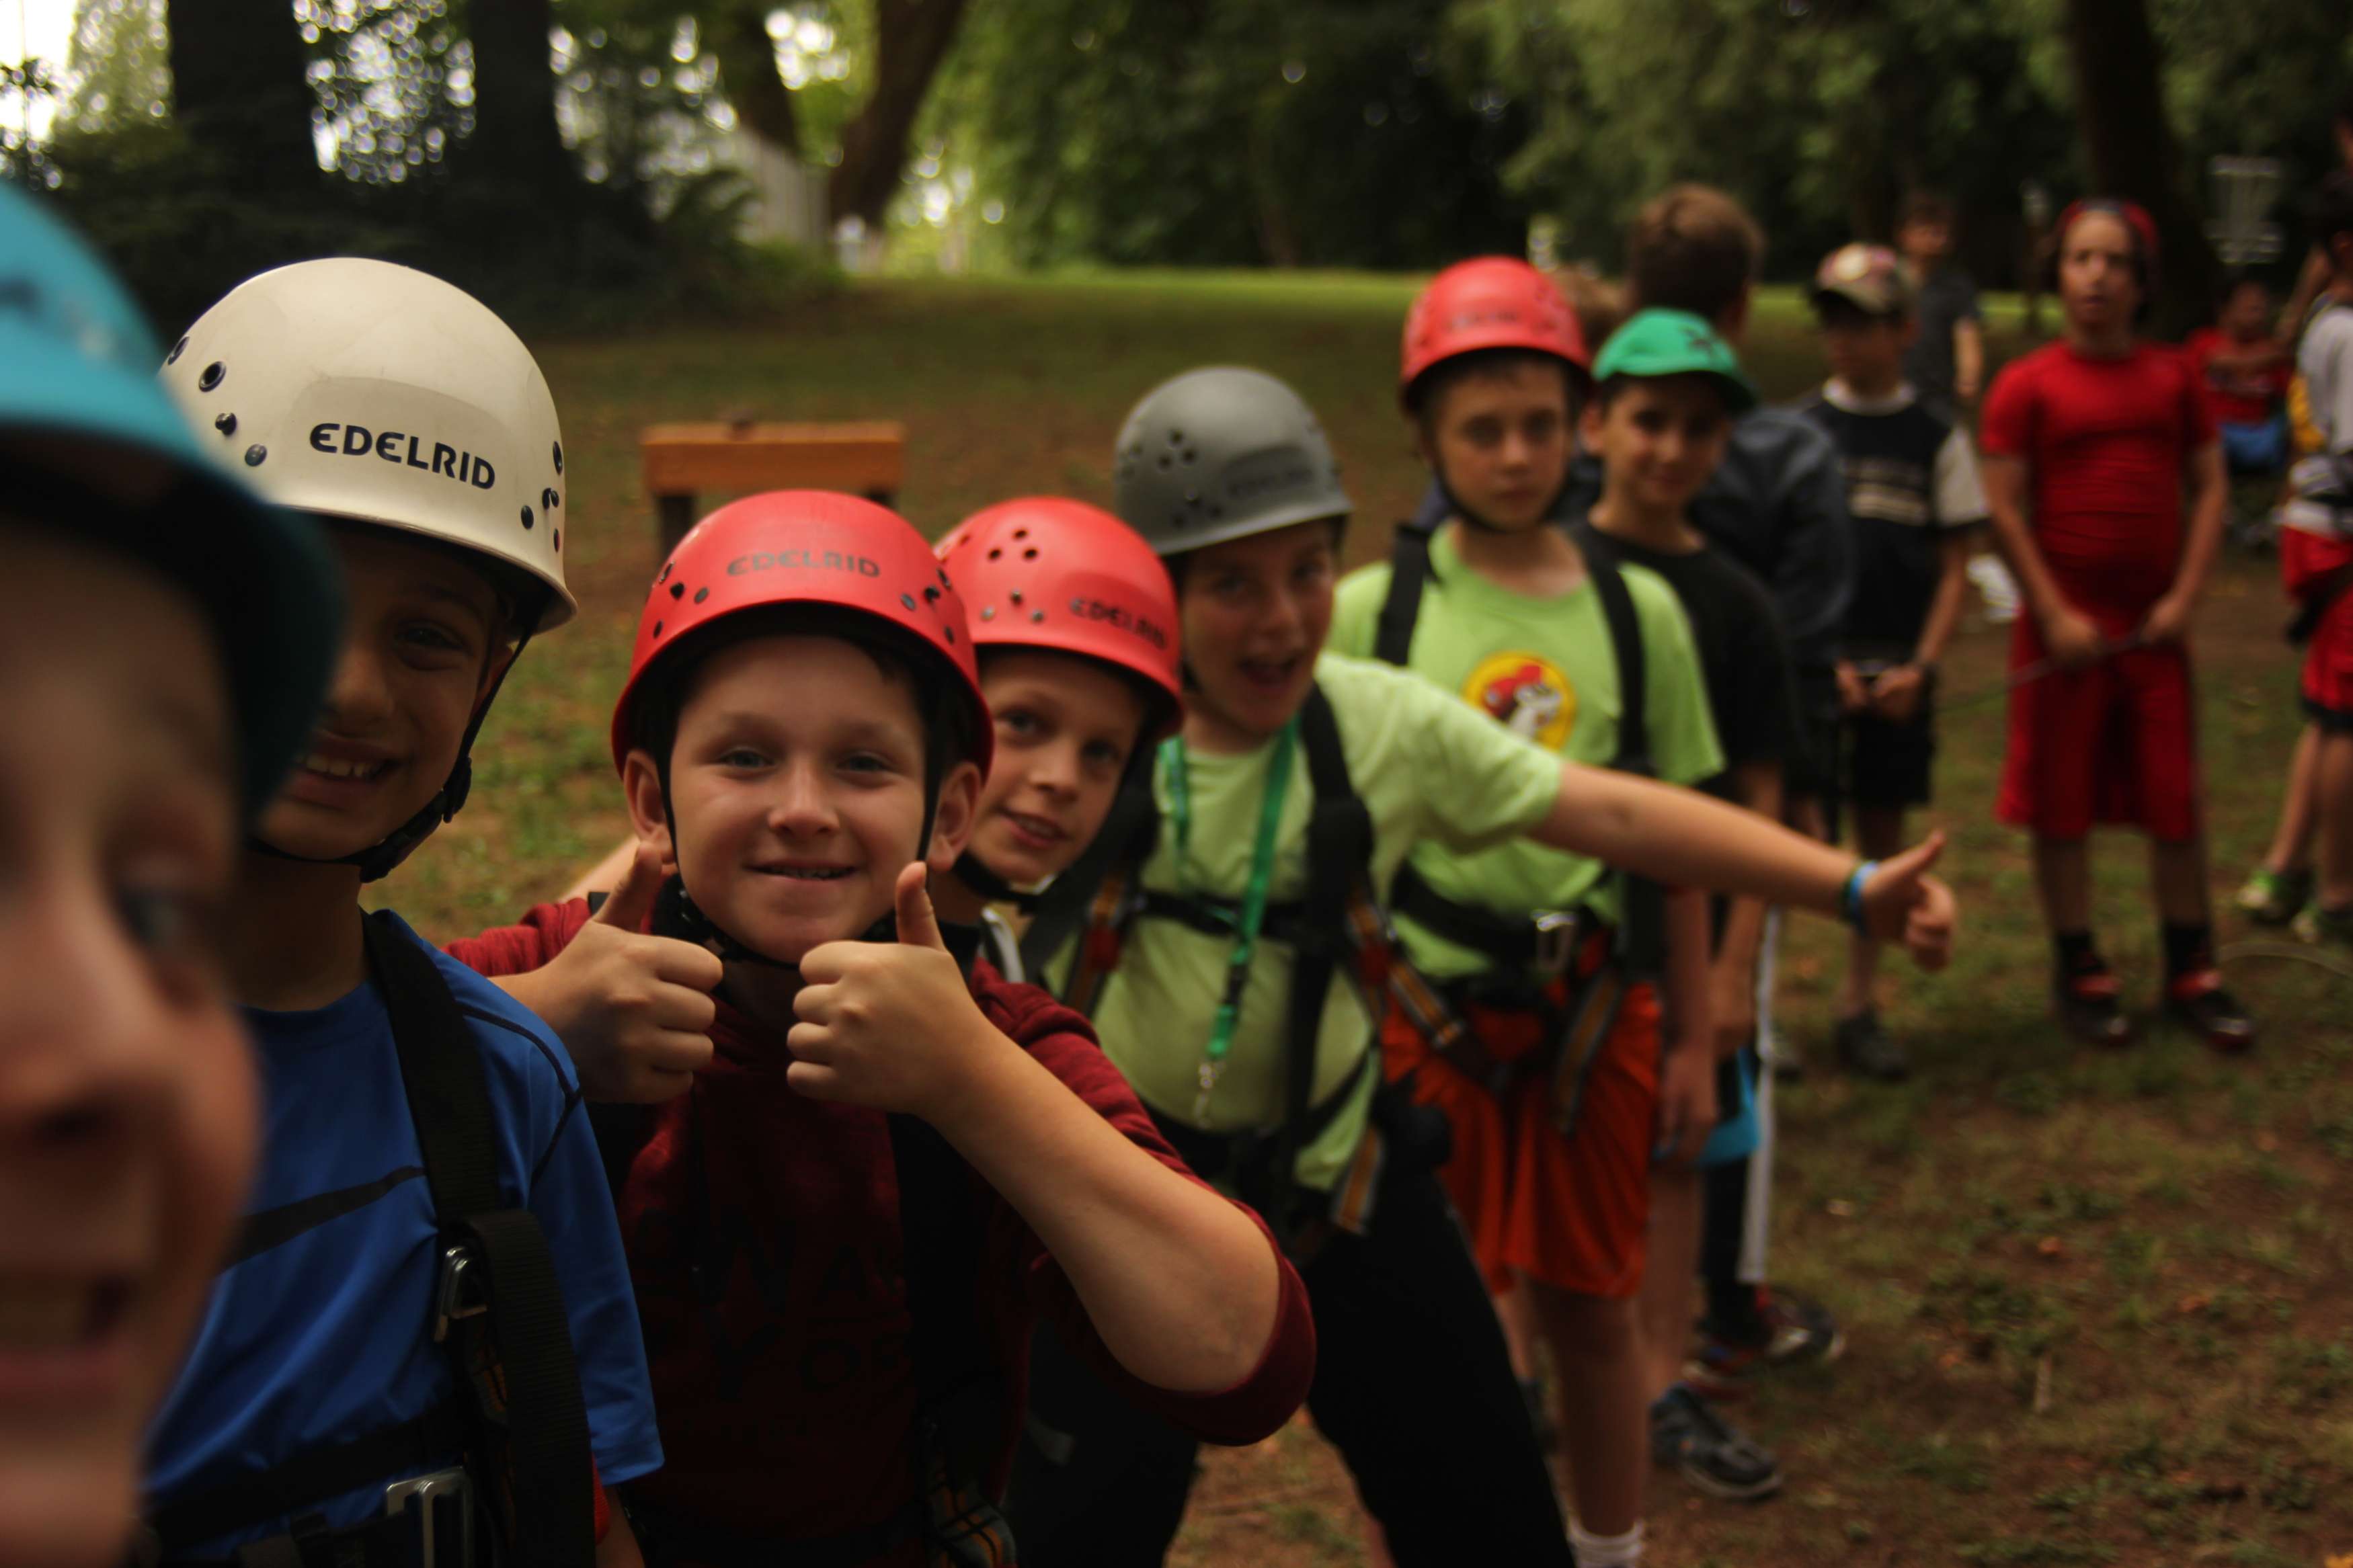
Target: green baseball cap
[1675, 343]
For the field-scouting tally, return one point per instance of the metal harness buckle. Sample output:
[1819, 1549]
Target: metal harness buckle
[456, 1296]
[426, 1497]
[1555, 934]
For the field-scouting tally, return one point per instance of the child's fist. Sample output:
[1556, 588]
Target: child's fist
[1901, 902]
[889, 1026]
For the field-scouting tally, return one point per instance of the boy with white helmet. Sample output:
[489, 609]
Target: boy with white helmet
[156, 677]
[427, 1329]
[1232, 956]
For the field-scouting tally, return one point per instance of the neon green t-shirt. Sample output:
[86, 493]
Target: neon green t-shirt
[1540, 667]
[1426, 768]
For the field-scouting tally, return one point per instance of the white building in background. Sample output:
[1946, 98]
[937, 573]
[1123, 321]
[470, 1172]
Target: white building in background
[788, 200]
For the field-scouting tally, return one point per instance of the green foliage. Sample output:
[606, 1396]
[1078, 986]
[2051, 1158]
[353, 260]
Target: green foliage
[1233, 131]
[118, 64]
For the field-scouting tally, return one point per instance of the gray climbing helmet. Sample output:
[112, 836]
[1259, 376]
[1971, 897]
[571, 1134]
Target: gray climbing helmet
[1221, 453]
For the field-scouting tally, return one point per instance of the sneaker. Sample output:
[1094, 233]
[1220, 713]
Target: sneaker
[2199, 1002]
[1869, 1050]
[2272, 898]
[1793, 1330]
[1714, 1455]
[2316, 922]
[2088, 1008]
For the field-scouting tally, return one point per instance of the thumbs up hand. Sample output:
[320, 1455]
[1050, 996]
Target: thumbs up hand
[634, 1010]
[889, 1025]
[1903, 903]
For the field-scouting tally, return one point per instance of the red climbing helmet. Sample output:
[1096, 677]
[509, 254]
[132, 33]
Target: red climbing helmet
[1489, 302]
[803, 547]
[1047, 573]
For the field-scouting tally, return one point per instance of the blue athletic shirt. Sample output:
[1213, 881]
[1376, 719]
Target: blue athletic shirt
[320, 1329]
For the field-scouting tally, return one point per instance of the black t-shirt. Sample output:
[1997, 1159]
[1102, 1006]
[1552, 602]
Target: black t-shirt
[1743, 658]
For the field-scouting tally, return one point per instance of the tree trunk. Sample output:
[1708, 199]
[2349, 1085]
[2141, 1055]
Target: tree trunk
[515, 142]
[2120, 113]
[747, 64]
[911, 37]
[238, 88]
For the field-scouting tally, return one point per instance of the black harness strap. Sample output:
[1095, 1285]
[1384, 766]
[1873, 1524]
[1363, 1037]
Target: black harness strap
[430, 1441]
[513, 1357]
[960, 1399]
[1644, 933]
[1410, 569]
[1127, 839]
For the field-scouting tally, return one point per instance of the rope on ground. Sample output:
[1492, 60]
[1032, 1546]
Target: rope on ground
[2234, 952]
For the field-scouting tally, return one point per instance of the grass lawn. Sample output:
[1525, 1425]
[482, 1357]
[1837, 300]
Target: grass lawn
[2100, 1307]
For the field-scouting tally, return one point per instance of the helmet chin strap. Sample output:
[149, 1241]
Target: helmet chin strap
[983, 878]
[379, 859]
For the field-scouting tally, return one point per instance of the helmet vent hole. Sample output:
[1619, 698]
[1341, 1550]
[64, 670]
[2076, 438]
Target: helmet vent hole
[1176, 437]
[1014, 596]
[701, 595]
[930, 594]
[943, 577]
[1166, 461]
[1192, 456]
[558, 447]
[1021, 533]
[658, 627]
[996, 554]
[549, 501]
[178, 350]
[988, 611]
[908, 600]
[678, 590]
[664, 575]
[951, 632]
[555, 537]
[1030, 553]
[254, 455]
[225, 424]
[526, 519]
[214, 375]
[1036, 614]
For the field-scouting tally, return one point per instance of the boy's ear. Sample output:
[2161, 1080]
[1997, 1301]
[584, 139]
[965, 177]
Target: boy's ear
[642, 787]
[959, 814]
[1589, 420]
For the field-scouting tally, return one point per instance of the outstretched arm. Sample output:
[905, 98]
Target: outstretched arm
[1684, 838]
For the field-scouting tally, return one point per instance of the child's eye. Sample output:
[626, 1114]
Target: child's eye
[1104, 754]
[866, 763]
[742, 757]
[1019, 722]
[427, 637]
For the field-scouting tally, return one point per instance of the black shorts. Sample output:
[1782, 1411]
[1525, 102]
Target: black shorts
[1882, 764]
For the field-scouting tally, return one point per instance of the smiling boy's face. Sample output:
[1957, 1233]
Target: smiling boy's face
[796, 784]
[423, 646]
[1065, 729]
[128, 1098]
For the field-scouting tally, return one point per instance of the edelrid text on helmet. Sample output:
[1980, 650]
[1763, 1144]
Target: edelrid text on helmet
[1221, 453]
[377, 393]
[1047, 573]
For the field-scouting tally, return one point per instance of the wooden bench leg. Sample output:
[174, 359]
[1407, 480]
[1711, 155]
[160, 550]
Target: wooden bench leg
[676, 514]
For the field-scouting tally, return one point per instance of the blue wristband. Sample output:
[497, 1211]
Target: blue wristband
[1850, 901]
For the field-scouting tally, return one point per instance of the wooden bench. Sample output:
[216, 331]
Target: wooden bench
[744, 456]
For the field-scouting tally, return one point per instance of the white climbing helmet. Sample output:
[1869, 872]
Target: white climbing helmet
[364, 390]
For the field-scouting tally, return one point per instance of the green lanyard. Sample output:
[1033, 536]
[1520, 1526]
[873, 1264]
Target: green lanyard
[1261, 876]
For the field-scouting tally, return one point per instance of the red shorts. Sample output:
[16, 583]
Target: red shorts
[2327, 683]
[2115, 744]
[1574, 1212]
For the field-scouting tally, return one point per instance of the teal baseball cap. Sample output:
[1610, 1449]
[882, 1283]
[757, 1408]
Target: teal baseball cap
[1675, 343]
[93, 448]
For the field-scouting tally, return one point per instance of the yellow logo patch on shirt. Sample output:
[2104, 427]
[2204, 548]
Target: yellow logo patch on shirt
[1526, 694]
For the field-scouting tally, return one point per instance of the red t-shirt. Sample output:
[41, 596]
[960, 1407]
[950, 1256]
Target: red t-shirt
[763, 1244]
[2105, 442]
[2238, 397]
